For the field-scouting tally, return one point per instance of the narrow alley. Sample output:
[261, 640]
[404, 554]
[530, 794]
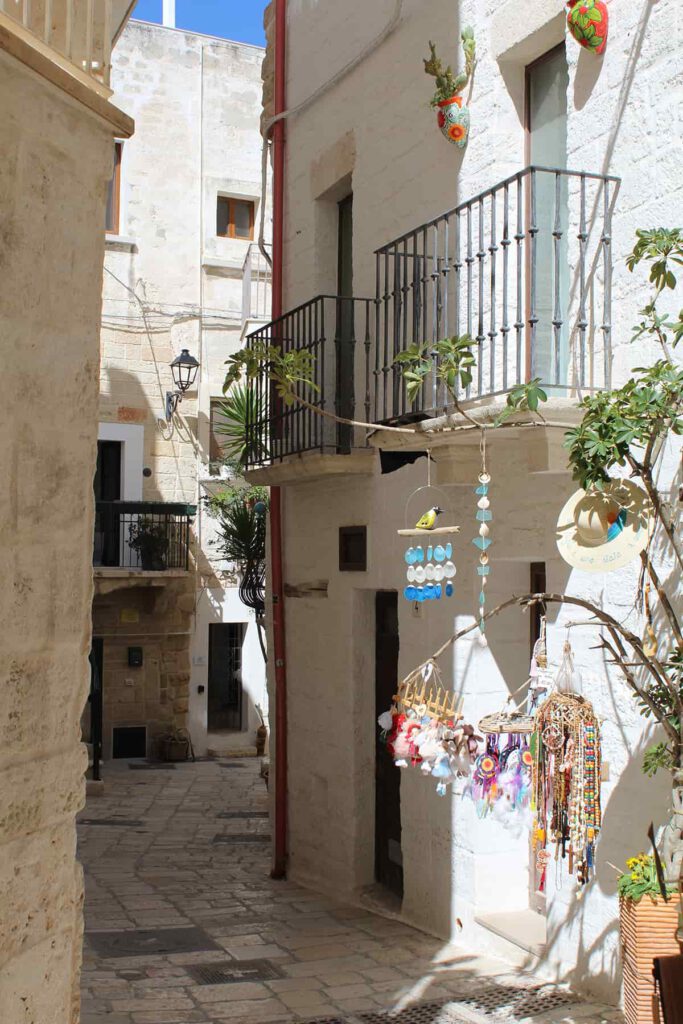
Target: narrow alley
[184, 924]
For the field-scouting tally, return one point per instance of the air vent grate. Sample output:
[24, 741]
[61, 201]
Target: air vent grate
[232, 972]
[241, 838]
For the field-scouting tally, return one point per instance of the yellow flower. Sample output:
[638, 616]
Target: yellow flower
[631, 863]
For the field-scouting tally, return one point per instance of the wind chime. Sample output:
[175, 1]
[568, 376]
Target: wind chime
[483, 541]
[566, 782]
[429, 557]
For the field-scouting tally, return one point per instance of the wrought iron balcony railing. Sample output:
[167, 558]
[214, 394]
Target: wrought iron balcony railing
[332, 329]
[144, 535]
[524, 269]
[257, 280]
[79, 31]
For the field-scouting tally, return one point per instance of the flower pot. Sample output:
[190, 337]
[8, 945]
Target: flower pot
[174, 749]
[587, 21]
[647, 930]
[152, 561]
[453, 118]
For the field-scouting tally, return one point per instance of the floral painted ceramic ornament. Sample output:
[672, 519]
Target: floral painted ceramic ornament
[587, 21]
[453, 117]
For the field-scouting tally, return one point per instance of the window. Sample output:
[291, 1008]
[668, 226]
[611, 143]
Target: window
[114, 193]
[235, 218]
[353, 549]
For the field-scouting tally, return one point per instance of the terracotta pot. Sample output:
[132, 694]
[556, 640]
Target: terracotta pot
[648, 929]
[261, 737]
[587, 21]
[453, 118]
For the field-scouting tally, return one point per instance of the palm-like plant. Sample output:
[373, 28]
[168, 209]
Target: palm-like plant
[239, 415]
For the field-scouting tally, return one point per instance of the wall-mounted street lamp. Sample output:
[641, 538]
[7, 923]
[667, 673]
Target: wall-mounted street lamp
[184, 368]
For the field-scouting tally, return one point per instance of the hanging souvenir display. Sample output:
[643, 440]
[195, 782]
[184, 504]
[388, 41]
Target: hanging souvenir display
[453, 117]
[429, 557]
[588, 23]
[603, 530]
[566, 782]
[483, 541]
[424, 728]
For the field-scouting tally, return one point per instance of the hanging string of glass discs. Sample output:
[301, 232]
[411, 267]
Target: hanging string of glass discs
[429, 557]
[483, 541]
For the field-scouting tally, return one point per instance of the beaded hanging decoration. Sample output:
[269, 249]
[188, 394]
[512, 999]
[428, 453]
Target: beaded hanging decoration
[483, 541]
[566, 785]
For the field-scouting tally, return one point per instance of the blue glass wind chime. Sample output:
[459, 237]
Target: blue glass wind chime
[483, 540]
[430, 569]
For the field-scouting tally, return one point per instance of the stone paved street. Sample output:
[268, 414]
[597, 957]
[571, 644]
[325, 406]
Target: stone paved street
[183, 862]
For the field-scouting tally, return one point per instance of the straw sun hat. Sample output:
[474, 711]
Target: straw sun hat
[600, 531]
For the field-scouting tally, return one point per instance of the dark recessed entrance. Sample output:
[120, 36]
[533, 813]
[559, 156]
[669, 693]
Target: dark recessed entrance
[129, 741]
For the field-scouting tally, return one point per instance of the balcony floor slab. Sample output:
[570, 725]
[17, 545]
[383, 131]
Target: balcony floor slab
[314, 466]
[109, 579]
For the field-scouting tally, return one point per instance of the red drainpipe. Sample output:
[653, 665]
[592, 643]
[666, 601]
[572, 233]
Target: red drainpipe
[279, 653]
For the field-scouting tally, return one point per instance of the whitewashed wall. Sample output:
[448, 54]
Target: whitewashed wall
[375, 134]
[196, 100]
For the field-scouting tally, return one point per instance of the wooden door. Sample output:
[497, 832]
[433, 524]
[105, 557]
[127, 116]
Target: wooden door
[225, 675]
[388, 857]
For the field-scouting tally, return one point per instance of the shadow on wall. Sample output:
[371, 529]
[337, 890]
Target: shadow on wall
[129, 403]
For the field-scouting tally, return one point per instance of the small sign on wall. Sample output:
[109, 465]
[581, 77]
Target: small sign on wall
[129, 615]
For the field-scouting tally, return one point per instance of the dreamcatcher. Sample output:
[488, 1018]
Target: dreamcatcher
[566, 779]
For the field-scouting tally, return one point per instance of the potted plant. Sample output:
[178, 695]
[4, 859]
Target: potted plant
[648, 926]
[176, 745]
[452, 115]
[149, 539]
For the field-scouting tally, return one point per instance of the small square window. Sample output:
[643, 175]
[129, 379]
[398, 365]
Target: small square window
[353, 548]
[235, 218]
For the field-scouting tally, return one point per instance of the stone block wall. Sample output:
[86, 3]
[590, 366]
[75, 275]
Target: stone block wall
[53, 174]
[155, 695]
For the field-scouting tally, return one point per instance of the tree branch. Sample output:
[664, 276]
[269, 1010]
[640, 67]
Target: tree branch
[618, 633]
[663, 598]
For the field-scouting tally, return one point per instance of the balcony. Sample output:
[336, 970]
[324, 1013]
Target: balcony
[69, 43]
[257, 280]
[337, 332]
[142, 539]
[524, 268]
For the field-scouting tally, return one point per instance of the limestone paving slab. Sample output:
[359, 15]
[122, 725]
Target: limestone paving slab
[322, 961]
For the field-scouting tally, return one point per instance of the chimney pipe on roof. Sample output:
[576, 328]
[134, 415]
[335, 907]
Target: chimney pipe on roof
[168, 18]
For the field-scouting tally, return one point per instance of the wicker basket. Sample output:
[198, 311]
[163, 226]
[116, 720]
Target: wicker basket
[648, 929]
[507, 722]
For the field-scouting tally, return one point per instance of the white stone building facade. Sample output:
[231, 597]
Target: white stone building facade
[185, 211]
[372, 135]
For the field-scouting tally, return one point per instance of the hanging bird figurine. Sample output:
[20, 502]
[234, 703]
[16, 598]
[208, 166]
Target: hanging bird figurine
[428, 520]
[587, 21]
